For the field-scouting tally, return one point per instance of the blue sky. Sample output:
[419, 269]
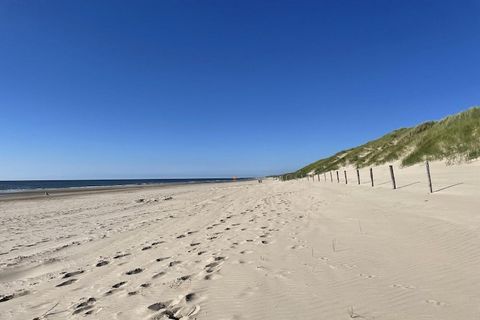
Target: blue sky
[189, 88]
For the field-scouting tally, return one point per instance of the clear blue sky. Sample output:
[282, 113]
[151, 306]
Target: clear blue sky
[188, 88]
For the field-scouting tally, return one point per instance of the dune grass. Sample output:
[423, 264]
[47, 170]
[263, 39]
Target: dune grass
[455, 139]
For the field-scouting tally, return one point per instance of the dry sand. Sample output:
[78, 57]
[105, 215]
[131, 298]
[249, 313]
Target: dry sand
[278, 250]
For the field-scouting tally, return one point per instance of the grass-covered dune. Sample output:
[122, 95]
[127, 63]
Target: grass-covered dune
[454, 138]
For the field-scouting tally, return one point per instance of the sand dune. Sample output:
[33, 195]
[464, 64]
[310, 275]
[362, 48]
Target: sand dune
[277, 250]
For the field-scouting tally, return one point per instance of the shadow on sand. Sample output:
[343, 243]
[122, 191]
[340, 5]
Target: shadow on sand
[380, 184]
[447, 187]
[408, 185]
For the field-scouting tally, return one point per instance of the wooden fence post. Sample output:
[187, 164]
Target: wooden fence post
[346, 180]
[338, 178]
[393, 177]
[371, 176]
[331, 177]
[325, 176]
[429, 176]
[358, 176]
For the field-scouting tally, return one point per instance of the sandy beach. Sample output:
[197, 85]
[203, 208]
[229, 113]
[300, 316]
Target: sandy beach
[277, 250]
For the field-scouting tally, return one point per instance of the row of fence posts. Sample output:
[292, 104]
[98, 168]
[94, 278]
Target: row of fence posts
[392, 177]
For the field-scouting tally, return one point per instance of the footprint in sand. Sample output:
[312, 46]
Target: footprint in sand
[84, 306]
[208, 277]
[436, 303]
[177, 282]
[190, 297]
[213, 266]
[102, 263]
[118, 285]
[72, 274]
[159, 274]
[162, 259]
[66, 283]
[134, 271]
[174, 263]
[209, 268]
[121, 255]
[5, 298]
[401, 286]
[158, 306]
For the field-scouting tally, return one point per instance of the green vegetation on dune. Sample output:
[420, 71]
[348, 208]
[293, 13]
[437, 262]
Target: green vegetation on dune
[455, 138]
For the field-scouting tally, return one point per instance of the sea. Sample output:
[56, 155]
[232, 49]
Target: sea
[35, 185]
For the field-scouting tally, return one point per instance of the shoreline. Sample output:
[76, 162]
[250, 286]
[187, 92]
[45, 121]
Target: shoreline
[39, 194]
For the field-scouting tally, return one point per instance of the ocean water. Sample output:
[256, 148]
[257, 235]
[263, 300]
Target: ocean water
[31, 185]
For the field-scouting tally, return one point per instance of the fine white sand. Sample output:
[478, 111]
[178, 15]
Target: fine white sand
[277, 250]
